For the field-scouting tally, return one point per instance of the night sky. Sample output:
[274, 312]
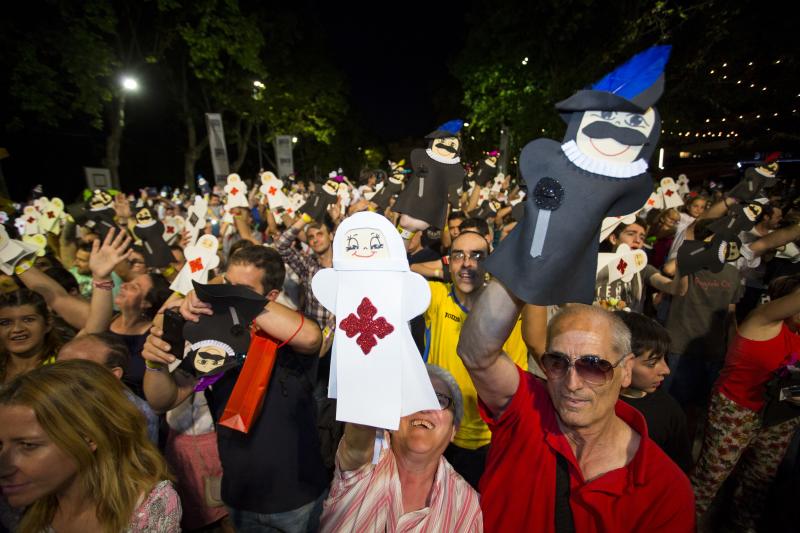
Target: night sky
[396, 71]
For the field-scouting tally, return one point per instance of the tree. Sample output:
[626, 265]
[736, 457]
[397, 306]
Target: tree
[525, 69]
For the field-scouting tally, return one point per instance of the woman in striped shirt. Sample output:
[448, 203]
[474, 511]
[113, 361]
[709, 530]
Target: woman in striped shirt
[409, 486]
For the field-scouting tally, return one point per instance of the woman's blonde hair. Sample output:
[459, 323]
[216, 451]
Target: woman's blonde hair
[79, 403]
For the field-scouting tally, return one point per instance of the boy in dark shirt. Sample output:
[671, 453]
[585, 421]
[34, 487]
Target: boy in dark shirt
[666, 422]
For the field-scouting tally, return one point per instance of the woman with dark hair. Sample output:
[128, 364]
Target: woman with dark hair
[27, 337]
[766, 342]
[138, 302]
[661, 235]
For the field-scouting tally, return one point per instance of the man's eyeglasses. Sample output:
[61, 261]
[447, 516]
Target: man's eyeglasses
[444, 400]
[592, 369]
[459, 255]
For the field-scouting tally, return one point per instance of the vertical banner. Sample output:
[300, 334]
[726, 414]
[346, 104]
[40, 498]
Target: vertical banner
[283, 155]
[216, 144]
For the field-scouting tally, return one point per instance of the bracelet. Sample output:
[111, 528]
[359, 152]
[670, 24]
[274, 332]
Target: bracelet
[106, 285]
[405, 234]
[152, 365]
[306, 218]
[438, 273]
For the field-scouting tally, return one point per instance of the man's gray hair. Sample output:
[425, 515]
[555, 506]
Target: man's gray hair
[453, 389]
[601, 319]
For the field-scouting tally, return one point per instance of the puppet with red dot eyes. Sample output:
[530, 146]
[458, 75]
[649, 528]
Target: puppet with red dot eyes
[377, 373]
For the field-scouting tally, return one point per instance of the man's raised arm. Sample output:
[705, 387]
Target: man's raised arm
[480, 346]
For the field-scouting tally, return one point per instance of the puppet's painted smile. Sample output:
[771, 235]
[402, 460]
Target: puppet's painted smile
[627, 147]
[364, 256]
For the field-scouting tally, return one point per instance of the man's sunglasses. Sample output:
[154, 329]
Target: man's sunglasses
[592, 369]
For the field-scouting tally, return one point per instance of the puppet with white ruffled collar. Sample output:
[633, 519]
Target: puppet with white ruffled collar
[438, 176]
[377, 373]
[599, 170]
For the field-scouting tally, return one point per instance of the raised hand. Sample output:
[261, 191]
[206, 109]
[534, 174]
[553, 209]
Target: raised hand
[113, 251]
[122, 206]
[192, 307]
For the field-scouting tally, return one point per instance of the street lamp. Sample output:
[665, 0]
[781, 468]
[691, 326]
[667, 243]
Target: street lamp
[294, 140]
[129, 84]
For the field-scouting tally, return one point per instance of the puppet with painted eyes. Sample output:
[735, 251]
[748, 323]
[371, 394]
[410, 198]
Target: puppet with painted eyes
[599, 170]
[757, 178]
[221, 340]
[100, 213]
[377, 374]
[487, 169]
[391, 185]
[437, 178]
[151, 232]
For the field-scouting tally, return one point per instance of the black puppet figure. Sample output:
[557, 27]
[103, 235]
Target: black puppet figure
[487, 169]
[757, 178]
[437, 179]
[100, 213]
[220, 341]
[600, 170]
[317, 204]
[151, 232]
[391, 185]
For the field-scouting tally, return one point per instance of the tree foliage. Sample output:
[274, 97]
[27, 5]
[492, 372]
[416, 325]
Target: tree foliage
[522, 57]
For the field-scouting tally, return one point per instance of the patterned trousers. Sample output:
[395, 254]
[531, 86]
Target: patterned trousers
[734, 435]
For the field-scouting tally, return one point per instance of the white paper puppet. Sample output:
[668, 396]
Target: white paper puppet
[377, 374]
[31, 217]
[656, 201]
[12, 252]
[622, 264]
[610, 224]
[195, 221]
[173, 227]
[683, 185]
[52, 215]
[200, 259]
[236, 191]
[670, 193]
[272, 189]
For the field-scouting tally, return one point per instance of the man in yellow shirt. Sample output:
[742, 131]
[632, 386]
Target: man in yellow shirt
[450, 305]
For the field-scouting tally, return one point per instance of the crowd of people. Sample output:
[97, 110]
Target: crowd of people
[671, 396]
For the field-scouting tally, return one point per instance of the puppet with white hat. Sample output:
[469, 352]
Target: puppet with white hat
[377, 373]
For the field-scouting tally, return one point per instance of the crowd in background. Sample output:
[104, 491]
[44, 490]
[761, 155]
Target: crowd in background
[101, 429]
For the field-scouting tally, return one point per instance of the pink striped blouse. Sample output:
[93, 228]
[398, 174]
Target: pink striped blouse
[370, 500]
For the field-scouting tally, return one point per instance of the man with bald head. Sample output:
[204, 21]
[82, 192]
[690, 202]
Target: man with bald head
[567, 452]
[106, 349]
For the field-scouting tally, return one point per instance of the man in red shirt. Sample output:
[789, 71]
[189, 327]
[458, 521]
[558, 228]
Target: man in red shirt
[619, 480]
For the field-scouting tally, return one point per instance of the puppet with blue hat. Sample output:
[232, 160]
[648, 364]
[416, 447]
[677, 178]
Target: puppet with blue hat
[598, 171]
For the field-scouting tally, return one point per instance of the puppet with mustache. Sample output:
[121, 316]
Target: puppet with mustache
[599, 170]
[437, 178]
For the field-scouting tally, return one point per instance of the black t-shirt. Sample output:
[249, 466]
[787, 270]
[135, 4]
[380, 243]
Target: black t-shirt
[666, 425]
[133, 376]
[277, 466]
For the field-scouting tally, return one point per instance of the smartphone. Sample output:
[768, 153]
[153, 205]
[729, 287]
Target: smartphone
[173, 332]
